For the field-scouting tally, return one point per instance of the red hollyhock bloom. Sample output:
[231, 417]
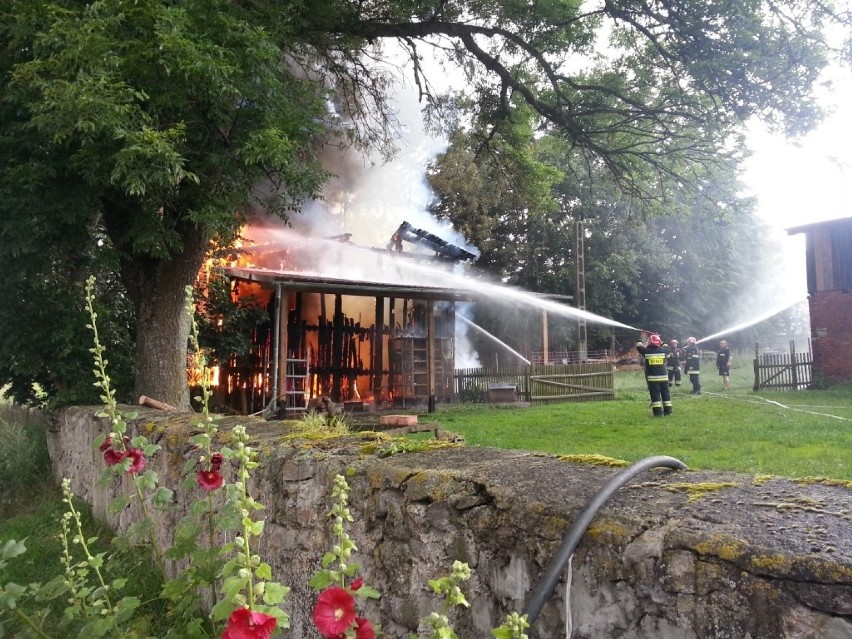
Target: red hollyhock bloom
[364, 629]
[356, 584]
[216, 461]
[112, 456]
[137, 460]
[247, 624]
[334, 611]
[106, 445]
[209, 480]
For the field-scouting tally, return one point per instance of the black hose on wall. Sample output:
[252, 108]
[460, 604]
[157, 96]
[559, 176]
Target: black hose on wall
[572, 537]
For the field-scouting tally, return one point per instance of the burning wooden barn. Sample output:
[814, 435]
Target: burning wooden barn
[350, 325]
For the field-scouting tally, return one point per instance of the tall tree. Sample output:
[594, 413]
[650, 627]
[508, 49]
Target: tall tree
[166, 120]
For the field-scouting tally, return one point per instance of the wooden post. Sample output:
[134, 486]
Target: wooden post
[430, 353]
[378, 359]
[545, 346]
[284, 321]
[794, 364]
[756, 367]
[337, 348]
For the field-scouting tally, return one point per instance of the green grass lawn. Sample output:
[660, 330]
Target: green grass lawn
[792, 434]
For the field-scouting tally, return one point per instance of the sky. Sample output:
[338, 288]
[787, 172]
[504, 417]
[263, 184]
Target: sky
[803, 181]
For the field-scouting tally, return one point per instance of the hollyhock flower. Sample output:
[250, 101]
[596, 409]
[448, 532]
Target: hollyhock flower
[364, 629]
[106, 445]
[209, 480]
[216, 461]
[112, 456]
[137, 460]
[334, 611]
[247, 624]
[356, 584]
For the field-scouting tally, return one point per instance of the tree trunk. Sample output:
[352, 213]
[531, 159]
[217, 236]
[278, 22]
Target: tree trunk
[163, 325]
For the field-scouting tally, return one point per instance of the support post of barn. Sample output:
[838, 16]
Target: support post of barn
[378, 352]
[430, 353]
[337, 348]
[545, 346]
[282, 321]
[276, 324]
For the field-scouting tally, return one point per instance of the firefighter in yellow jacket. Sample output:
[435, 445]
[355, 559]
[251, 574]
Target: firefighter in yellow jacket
[656, 375]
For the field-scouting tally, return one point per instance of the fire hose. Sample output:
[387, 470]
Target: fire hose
[578, 528]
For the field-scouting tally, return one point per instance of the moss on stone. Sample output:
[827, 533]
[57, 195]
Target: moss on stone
[773, 563]
[759, 480]
[722, 547]
[595, 460]
[826, 481]
[696, 491]
[611, 532]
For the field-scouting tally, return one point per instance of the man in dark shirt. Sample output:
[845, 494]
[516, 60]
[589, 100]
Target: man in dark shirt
[692, 364]
[673, 363]
[723, 363]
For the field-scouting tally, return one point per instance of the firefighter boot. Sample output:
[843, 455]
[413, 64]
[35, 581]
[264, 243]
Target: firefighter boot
[657, 410]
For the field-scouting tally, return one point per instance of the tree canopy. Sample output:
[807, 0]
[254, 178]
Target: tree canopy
[133, 134]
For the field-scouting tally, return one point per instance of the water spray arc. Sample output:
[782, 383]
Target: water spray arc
[333, 259]
[481, 330]
[753, 321]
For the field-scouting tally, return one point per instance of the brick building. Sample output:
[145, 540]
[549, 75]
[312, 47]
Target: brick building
[829, 270]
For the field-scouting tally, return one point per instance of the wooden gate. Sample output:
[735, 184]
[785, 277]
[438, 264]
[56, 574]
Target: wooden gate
[540, 383]
[782, 371]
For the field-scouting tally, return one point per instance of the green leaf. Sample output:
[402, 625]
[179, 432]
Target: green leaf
[12, 548]
[274, 593]
[118, 504]
[163, 497]
[368, 592]
[321, 580]
[264, 571]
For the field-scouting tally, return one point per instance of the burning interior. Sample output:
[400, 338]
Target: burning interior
[363, 327]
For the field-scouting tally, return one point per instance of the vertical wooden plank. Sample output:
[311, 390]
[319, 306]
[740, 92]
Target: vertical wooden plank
[378, 359]
[337, 348]
[430, 353]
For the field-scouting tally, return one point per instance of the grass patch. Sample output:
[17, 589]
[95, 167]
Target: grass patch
[25, 475]
[791, 434]
[31, 510]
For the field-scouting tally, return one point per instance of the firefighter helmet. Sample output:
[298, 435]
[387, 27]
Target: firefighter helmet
[654, 339]
[672, 342]
[690, 341]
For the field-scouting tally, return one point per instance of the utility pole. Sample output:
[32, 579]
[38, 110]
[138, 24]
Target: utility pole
[580, 288]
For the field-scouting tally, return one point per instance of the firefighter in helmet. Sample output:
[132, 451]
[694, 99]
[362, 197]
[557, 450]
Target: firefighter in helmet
[673, 363]
[692, 359]
[656, 376]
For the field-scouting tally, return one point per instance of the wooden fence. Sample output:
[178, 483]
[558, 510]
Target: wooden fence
[538, 383]
[783, 371]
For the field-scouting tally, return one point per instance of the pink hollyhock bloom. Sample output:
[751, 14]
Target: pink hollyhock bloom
[364, 629]
[106, 445]
[209, 480]
[247, 624]
[356, 583]
[112, 456]
[137, 460]
[334, 611]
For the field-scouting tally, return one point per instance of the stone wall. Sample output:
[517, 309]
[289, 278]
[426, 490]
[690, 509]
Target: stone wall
[831, 330]
[674, 554]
